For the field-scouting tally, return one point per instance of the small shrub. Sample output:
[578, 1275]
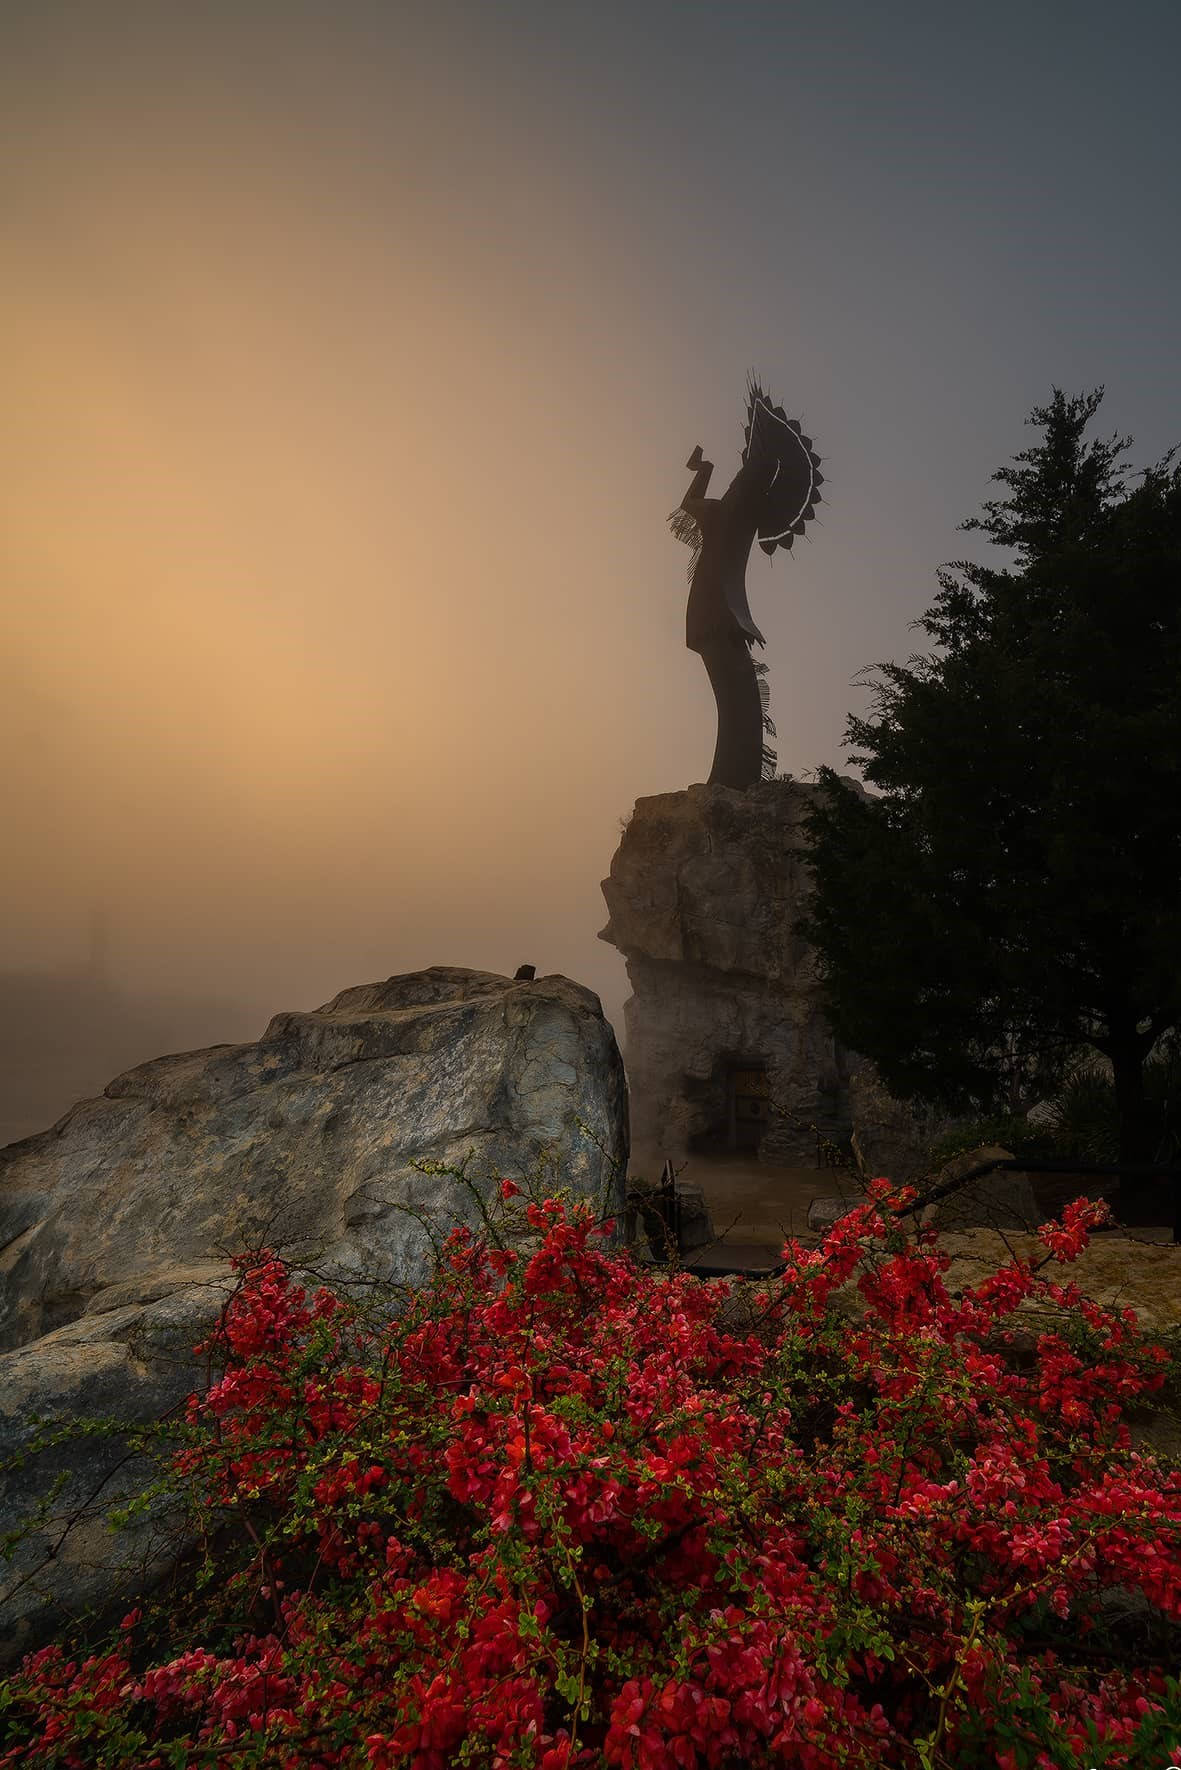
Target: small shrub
[1027, 1141]
[1082, 1122]
[1086, 1119]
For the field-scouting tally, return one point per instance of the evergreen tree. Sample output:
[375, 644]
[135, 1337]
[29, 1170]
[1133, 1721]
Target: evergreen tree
[1013, 895]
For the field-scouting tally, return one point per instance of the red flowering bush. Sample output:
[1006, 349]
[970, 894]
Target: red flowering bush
[561, 1510]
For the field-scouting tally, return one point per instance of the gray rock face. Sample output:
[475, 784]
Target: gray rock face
[115, 1226]
[694, 1219]
[704, 897]
[128, 1362]
[828, 1209]
[304, 1141]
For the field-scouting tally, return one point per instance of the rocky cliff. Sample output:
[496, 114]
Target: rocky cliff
[705, 894]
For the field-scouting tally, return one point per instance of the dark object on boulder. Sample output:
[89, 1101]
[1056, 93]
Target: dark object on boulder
[524, 974]
[672, 1214]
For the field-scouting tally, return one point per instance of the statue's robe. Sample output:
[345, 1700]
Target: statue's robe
[720, 627]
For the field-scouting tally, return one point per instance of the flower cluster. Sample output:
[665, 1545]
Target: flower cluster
[560, 1511]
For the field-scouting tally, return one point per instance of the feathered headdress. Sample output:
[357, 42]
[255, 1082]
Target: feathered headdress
[794, 493]
[769, 435]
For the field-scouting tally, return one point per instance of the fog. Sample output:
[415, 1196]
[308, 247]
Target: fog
[354, 355]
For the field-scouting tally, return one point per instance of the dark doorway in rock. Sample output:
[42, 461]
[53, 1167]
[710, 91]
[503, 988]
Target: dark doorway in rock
[748, 1099]
[735, 1105]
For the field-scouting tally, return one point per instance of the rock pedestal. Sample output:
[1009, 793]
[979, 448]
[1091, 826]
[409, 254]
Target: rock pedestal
[705, 893]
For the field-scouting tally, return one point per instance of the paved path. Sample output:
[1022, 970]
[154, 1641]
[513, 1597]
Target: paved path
[754, 1205]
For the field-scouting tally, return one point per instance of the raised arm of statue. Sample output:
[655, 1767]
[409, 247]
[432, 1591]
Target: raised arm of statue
[695, 502]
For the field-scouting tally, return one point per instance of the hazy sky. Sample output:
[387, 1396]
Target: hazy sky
[354, 352]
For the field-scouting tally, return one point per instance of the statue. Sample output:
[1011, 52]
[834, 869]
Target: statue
[772, 496]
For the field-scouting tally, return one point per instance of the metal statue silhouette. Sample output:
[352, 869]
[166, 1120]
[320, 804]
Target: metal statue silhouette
[772, 497]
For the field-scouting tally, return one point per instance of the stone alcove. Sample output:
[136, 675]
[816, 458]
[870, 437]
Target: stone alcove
[735, 1104]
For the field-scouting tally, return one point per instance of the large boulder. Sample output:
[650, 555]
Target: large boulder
[306, 1140]
[326, 1141]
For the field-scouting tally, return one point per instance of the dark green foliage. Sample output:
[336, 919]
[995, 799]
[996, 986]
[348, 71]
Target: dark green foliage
[1086, 1113]
[1012, 898]
[1081, 1121]
[1025, 1140]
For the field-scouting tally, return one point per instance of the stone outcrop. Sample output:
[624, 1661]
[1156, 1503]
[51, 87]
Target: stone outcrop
[131, 1363]
[1115, 1270]
[116, 1225]
[704, 897]
[306, 1140]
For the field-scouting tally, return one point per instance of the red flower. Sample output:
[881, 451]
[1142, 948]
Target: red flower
[562, 1512]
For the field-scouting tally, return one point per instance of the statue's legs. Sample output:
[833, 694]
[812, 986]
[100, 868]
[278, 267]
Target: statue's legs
[738, 758]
